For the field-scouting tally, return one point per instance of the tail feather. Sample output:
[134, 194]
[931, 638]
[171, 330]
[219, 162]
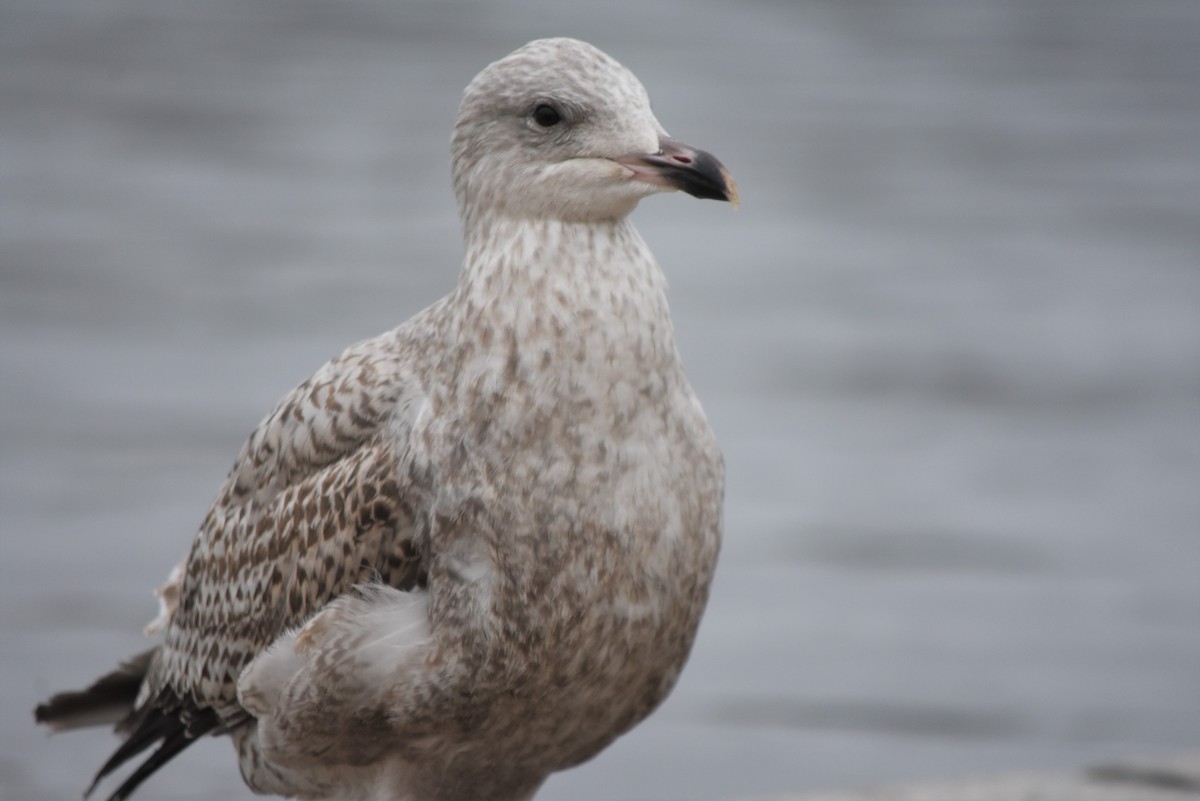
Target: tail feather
[108, 701]
[174, 742]
[161, 720]
[154, 726]
[170, 731]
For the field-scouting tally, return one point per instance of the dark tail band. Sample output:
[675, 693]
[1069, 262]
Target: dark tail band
[110, 700]
[107, 702]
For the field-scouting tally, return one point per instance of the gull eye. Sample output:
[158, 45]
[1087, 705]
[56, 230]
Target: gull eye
[546, 116]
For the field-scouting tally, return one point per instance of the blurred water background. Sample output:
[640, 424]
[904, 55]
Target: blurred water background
[950, 343]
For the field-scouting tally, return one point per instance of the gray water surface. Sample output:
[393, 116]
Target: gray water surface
[950, 344]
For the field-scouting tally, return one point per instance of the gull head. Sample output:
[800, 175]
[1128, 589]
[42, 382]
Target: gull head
[559, 130]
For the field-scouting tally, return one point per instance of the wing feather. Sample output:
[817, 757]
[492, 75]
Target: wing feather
[318, 501]
[321, 498]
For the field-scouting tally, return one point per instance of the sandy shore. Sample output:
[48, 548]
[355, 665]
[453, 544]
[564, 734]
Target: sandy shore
[1134, 780]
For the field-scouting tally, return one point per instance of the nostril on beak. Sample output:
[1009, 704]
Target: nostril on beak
[682, 159]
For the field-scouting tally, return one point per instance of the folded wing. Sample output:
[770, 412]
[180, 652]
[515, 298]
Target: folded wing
[322, 499]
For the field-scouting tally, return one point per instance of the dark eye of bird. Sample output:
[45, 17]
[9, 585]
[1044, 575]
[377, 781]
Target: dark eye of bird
[546, 116]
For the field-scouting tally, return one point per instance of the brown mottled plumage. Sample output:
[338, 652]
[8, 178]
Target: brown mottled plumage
[474, 550]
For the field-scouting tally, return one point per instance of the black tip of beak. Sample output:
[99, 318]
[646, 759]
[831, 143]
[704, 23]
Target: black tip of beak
[694, 171]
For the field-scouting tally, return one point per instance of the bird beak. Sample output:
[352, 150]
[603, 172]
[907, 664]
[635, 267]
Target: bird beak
[681, 166]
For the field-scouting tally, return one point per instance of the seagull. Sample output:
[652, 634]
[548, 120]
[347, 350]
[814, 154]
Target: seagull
[474, 550]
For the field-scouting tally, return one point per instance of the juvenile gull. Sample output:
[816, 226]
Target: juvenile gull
[474, 550]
